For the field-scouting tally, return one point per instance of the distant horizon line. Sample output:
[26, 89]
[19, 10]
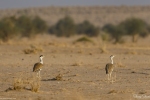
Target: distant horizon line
[74, 6]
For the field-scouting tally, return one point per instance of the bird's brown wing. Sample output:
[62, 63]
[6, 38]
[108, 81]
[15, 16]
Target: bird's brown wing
[37, 67]
[108, 67]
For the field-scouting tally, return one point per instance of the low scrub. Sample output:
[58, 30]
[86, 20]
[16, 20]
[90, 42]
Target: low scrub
[33, 49]
[84, 39]
[22, 83]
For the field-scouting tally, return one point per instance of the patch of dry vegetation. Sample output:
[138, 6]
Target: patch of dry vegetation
[119, 64]
[35, 86]
[24, 83]
[59, 77]
[132, 52]
[112, 91]
[77, 64]
[33, 49]
[18, 84]
[103, 46]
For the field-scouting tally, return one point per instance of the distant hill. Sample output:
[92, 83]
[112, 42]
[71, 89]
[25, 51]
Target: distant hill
[98, 15]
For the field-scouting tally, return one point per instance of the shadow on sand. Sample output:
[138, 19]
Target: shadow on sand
[53, 79]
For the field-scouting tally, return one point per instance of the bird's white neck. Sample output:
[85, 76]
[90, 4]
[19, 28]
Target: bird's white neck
[41, 60]
[111, 60]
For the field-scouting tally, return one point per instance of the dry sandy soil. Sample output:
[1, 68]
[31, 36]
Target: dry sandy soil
[82, 66]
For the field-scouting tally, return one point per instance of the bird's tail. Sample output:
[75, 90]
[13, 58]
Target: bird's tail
[106, 69]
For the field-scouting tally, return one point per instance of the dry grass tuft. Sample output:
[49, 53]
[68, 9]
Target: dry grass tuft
[112, 91]
[59, 77]
[120, 65]
[35, 86]
[18, 84]
[132, 52]
[102, 46]
[103, 49]
[33, 49]
[22, 83]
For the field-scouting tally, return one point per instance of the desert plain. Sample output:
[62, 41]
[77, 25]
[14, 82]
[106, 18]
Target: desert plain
[81, 67]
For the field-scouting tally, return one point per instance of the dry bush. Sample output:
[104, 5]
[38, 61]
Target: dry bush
[102, 45]
[33, 49]
[18, 84]
[59, 77]
[26, 83]
[35, 86]
[103, 49]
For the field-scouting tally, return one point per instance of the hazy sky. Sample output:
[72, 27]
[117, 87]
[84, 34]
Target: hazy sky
[33, 3]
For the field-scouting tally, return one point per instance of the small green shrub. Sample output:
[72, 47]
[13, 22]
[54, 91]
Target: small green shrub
[84, 39]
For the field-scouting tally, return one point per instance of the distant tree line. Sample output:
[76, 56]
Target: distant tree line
[22, 26]
[132, 26]
[25, 26]
[66, 27]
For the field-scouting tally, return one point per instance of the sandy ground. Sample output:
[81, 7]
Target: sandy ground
[82, 66]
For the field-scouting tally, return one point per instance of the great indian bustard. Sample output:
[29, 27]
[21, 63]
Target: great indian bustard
[38, 66]
[109, 67]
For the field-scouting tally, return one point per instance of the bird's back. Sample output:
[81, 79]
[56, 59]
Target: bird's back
[109, 68]
[37, 67]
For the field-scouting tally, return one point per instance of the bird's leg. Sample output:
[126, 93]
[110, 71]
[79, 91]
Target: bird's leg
[111, 78]
[108, 76]
[39, 75]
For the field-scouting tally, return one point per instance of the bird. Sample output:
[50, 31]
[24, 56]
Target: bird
[38, 66]
[109, 67]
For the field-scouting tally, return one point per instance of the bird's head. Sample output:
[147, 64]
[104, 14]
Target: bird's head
[41, 56]
[112, 56]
